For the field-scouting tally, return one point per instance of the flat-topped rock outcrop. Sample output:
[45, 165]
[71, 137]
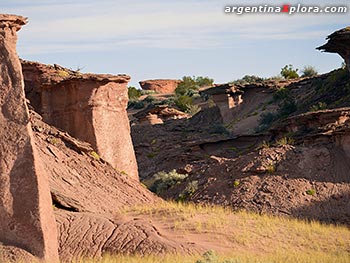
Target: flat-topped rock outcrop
[91, 107]
[160, 85]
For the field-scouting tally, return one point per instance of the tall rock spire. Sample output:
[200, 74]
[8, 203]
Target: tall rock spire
[26, 214]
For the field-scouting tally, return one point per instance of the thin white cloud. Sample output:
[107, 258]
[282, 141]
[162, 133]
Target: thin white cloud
[90, 25]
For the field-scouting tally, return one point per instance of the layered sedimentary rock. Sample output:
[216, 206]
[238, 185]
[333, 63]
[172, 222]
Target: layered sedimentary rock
[158, 114]
[339, 42]
[91, 107]
[226, 97]
[26, 216]
[160, 85]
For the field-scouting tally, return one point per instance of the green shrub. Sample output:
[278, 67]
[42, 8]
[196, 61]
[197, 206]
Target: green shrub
[190, 85]
[151, 155]
[190, 189]
[63, 73]
[311, 192]
[281, 94]
[248, 79]
[275, 78]
[184, 102]
[149, 99]
[204, 81]
[95, 155]
[163, 181]
[193, 109]
[287, 108]
[139, 105]
[136, 104]
[186, 86]
[169, 101]
[288, 72]
[318, 106]
[270, 168]
[263, 145]
[285, 141]
[236, 183]
[266, 119]
[134, 93]
[309, 71]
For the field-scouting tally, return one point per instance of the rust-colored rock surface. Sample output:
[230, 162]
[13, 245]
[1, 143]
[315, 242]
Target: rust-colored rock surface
[90, 196]
[26, 217]
[160, 85]
[339, 42]
[79, 180]
[158, 114]
[91, 107]
[11, 254]
[94, 235]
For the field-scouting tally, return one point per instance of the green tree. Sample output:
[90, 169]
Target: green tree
[288, 72]
[133, 93]
[187, 86]
[184, 102]
[204, 81]
[190, 85]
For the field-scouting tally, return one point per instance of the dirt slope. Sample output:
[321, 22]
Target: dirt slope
[88, 195]
[258, 171]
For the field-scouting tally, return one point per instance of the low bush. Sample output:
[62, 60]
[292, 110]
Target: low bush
[318, 106]
[288, 72]
[190, 189]
[248, 79]
[281, 94]
[287, 107]
[309, 71]
[184, 102]
[163, 181]
[134, 93]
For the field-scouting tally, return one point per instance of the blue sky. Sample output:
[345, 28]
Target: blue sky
[170, 39]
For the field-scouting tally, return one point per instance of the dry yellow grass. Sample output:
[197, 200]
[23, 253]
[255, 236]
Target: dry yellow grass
[240, 237]
[250, 237]
[282, 257]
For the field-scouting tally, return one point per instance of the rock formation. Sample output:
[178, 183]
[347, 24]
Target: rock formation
[226, 97]
[26, 217]
[160, 85]
[339, 42]
[91, 107]
[158, 114]
[90, 199]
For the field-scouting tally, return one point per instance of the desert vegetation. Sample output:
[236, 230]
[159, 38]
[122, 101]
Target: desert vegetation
[256, 238]
[187, 90]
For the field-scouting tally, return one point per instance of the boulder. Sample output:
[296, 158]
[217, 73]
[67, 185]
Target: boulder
[160, 85]
[158, 114]
[339, 42]
[91, 107]
[26, 216]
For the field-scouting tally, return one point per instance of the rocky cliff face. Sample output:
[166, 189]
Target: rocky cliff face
[26, 216]
[90, 107]
[339, 42]
[160, 85]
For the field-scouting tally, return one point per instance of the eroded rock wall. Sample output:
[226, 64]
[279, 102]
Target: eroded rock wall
[160, 85]
[339, 42]
[90, 107]
[26, 216]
